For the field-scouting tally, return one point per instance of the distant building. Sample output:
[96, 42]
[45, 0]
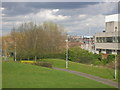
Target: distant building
[74, 38]
[108, 41]
[85, 42]
[74, 41]
[88, 44]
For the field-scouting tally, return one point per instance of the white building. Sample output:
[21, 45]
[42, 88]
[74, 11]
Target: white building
[108, 41]
[87, 43]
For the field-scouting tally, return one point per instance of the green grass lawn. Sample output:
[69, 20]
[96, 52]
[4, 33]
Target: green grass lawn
[19, 75]
[93, 70]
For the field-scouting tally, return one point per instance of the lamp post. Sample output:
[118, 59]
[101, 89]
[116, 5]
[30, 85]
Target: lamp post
[5, 50]
[115, 76]
[89, 45]
[15, 49]
[14, 43]
[66, 52]
[115, 73]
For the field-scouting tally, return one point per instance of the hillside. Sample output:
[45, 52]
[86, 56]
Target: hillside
[18, 75]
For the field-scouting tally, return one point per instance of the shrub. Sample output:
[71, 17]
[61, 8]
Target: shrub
[98, 56]
[60, 55]
[28, 62]
[97, 62]
[43, 64]
[111, 58]
[80, 55]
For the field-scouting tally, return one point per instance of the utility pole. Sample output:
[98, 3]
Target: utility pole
[66, 52]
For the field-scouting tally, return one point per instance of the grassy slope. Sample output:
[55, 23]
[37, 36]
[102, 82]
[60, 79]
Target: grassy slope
[97, 71]
[17, 75]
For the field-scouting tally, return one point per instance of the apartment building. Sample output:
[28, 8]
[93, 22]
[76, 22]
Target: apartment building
[108, 41]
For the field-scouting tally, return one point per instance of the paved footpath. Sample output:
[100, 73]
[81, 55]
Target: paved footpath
[105, 81]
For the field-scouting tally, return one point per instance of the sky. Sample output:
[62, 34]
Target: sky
[77, 18]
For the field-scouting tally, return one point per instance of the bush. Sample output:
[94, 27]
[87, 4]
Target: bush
[109, 59]
[43, 64]
[27, 62]
[77, 54]
[98, 56]
[97, 62]
[53, 55]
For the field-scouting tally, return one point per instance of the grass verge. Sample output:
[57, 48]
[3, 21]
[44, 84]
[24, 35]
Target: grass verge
[19, 75]
[93, 70]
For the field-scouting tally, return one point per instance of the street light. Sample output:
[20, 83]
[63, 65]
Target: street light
[15, 49]
[66, 52]
[5, 53]
[115, 76]
[89, 44]
[14, 43]
[115, 73]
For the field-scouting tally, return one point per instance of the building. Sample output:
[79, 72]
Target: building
[108, 41]
[74, 41]
[84, 42]
[88, 44]
[74, 38]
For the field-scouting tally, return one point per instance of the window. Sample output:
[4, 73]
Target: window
[118, 39]
[115, 28]
[109, 39]
[104, 39]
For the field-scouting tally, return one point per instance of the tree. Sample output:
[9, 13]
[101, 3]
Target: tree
[80, 55]
[38, 40]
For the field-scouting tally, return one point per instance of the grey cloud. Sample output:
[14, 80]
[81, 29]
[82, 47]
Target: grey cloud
[74, 24]
[20, 8]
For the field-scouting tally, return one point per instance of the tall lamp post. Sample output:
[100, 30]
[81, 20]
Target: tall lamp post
[15, 49]
[66, 52]
[115, 76]
[14, 43]
[5, 50]
[89, 44]
[115, 73]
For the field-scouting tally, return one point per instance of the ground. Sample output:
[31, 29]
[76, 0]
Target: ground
[19, 75]
[89, 69]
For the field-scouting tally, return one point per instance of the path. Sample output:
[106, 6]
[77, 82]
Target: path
[105, 81]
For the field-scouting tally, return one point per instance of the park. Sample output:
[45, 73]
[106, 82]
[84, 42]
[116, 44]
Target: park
[60, 45]
[34, 67]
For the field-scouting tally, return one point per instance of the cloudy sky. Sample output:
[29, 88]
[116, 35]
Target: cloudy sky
[78, 18]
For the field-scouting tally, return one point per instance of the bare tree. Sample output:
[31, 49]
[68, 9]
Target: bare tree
[34, 41]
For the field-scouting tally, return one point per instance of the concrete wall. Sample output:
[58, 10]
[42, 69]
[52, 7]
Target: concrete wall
[114, 17]
[112, 26]
[112, 29]
[114, 46]
[109, 26]
[114, 52]
[107, 34]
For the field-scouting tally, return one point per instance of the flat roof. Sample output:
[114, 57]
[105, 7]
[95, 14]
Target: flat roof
[114, 17]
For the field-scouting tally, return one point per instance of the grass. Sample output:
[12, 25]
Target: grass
[19, 75]
[93, 70]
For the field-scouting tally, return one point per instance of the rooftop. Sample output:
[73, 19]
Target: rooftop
[111, 18]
